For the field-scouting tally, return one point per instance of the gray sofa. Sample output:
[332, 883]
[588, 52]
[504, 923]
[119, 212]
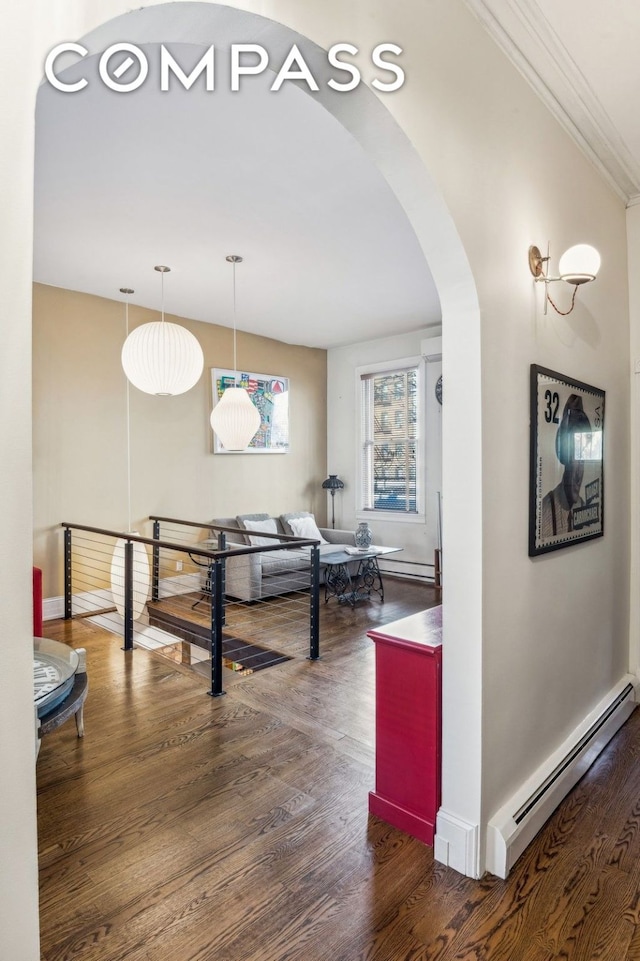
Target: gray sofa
[269, 573]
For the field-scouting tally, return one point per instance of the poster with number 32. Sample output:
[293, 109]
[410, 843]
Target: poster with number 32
[566, 490]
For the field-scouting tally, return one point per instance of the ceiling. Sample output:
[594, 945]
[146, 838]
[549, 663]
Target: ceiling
[124, 183]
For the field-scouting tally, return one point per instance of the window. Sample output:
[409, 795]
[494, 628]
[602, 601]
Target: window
[390, 427]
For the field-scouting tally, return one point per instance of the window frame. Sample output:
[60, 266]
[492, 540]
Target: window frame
[391, 366]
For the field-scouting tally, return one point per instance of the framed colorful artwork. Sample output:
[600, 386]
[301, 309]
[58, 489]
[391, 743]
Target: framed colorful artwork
[270, 394]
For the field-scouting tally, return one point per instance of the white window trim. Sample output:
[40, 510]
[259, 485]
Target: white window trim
[394, 516]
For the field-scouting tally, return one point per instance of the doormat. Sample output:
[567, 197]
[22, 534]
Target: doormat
[238, 655]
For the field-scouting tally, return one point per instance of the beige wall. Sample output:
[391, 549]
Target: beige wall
[79, 429]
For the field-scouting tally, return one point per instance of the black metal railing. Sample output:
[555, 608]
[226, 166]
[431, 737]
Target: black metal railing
[194, 583]
[270, 591]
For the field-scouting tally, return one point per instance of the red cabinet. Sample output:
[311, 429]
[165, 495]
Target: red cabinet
[37, 602]
[408, 723]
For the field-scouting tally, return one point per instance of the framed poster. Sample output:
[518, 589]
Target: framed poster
[566, 487]
[270, 394]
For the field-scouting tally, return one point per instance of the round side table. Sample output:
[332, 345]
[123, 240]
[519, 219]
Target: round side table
[60, 684]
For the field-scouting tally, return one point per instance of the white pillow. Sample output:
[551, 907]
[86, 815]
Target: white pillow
[306, 527]
[268, 527]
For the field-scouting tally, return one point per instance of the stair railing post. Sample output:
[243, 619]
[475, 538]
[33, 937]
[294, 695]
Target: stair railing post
[128, 596]
[67, 574]
[314, 605]
[222, 546]
[155, 563]
[217, 570]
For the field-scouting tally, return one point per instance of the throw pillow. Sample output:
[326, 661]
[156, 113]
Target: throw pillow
[267, 526]
[241, 519]
[306, 527]
[285, 519]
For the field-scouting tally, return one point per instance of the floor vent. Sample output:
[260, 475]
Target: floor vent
[518, 821]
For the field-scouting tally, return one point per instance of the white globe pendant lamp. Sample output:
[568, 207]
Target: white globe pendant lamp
[235, 418]
[162, 358]
[141, 580]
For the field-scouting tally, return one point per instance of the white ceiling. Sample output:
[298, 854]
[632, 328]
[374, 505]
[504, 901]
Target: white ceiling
[126, 182]
[184, 178]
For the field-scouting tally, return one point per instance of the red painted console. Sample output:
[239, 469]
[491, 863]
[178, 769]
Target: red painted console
[37, 602]
[408, 723]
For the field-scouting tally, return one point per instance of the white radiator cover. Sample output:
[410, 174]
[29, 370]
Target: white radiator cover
[518, 821]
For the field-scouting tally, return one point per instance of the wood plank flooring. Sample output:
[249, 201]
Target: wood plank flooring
[190, 828]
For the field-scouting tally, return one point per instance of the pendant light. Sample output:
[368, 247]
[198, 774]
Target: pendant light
[235, 418]
[162, 358]
[141, 575]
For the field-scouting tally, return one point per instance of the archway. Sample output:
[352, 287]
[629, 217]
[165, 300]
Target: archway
[368, 119]
[462, 475]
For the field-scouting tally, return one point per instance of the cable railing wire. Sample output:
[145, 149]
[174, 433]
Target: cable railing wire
[186, 601]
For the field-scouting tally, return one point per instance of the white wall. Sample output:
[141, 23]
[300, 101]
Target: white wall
[554, 627]
[416, 537]
[18, 868]
[633, 241]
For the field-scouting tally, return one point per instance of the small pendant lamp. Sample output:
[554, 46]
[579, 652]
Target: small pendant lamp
[141, 573]
[162, 358]
[235, 418]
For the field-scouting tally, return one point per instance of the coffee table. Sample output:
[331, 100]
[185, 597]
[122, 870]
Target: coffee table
[347, 587]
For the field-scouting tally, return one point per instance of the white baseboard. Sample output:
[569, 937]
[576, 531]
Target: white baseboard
[53, 607]
[456, 844]
[144, 635]
[518, 821]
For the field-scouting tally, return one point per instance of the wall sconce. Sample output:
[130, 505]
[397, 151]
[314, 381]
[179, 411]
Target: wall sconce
[578, 265]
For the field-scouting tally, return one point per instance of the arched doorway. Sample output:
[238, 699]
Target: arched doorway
[388, 147]
[368, 119]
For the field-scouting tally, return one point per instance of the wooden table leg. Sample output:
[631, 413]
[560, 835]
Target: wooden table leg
[437, 578]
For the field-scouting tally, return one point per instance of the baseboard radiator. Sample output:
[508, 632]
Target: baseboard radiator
[517, 822]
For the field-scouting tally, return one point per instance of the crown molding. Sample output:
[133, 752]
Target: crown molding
[526, 37]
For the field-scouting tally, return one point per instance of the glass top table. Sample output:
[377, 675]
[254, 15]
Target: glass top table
[54, 668]
[349, 585]
[342, 555]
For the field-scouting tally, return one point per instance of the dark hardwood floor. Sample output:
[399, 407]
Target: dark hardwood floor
[188, 828]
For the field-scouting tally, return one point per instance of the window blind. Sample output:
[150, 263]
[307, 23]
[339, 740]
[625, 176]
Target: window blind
[389, 432]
